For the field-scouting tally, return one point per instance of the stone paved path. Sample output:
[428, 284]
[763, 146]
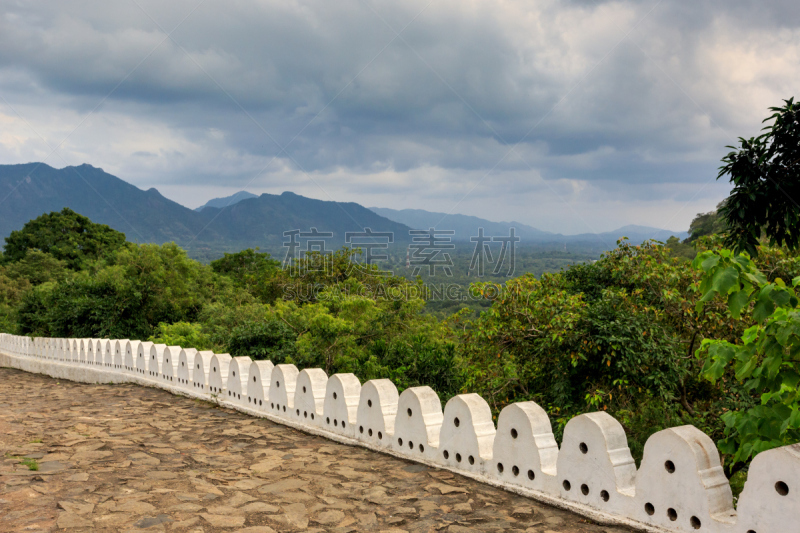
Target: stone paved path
[130, 458]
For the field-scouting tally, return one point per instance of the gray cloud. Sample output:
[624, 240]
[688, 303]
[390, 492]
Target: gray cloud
[612, 103]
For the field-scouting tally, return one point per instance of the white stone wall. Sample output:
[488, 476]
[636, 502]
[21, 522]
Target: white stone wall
[679, 487]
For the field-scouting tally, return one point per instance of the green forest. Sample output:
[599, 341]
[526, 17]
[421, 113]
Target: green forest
[703, 332]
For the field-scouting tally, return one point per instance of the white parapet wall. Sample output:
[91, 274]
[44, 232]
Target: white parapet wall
[680, 485]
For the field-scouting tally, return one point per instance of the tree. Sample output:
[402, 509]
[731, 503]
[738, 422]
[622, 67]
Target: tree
[67, 236]
[765, 172]
[252, 271]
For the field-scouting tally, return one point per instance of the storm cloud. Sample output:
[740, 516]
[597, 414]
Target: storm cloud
[571, 116]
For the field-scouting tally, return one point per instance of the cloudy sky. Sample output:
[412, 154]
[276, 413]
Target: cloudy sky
[571, 115]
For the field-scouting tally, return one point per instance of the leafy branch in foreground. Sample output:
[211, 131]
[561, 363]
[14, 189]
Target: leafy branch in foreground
[767, 358]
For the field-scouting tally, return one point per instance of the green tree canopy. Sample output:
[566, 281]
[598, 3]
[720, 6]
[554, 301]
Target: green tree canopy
[65, 235]
[765, 172]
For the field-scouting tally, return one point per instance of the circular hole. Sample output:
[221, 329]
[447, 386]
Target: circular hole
[272, 405]
[782, 488]
[361, 429]
[695, 522]
[446, 454]
[672, 514]
[585, 489]
[457, 422]
[410, 445]
[369, 403]
[198, 366]
[409, 411]
[513, 433]
[304, 389]
[380, 435]
[421, 448]
[515, 470]
[669, 466]
[328, 420]
[334, 395]
[604, 495]
[649, 509]
[305, 414]
[260, 402]
[214, 369]
[369, 432]
[336, 422]
[531, 475]
[254, 379]
[343, 424]
[278, 384]
[584, 448]
[297, 411]
[284, 408]
[312, 416]
[234, 372]
[566, 484]
[400, 442]
[500, 467]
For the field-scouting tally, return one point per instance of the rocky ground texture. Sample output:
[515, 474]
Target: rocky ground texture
[103, 458]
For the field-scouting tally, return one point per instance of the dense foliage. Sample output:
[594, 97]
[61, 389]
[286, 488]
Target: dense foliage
[764, 172]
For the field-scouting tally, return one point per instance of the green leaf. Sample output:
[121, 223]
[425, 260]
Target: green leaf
[710, 262]
[725, 279]
[737, 301]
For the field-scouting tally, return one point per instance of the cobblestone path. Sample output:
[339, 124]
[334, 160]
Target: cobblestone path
[130, 458]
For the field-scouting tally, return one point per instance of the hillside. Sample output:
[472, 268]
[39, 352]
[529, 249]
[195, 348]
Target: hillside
[146, 216]
[467, 226]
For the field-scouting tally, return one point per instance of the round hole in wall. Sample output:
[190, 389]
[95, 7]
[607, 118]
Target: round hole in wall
[458, 457]
[456, 421]
[380, 435]
[672, 514]
[669, 466]
[500, 467]
[361, 429]
[515, 470]
[328, 420]
[254, 379]
[284, 408]
[410, 445]
[312, 416]
[400, 442]
[272, 405]
[238, 396]
[781, 488]
[695, 522]
[305, 414]
[214, 369]
[248, 399]
[336, 422]
[421, 448]
[585, 489]
[183, 363]
[369, 432]
[304, 389]
[566, 484]
[446, 454]
[513, 433]
[649, 509]
[584, 448]
[198, 366]
[278, 384]
[369, 403]
[531, 475]
[234, 372]
[334, 395]
[409, 411]
[343, 424]
[297, 411]
[604, 495]
[260, 402]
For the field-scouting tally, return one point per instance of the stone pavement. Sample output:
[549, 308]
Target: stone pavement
[131, 458]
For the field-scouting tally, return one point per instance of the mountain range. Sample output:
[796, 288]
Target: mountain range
[243, 219]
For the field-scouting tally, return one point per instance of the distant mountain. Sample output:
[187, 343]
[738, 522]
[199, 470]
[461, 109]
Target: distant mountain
[228, 200]
[467, 226]
[30, 190]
